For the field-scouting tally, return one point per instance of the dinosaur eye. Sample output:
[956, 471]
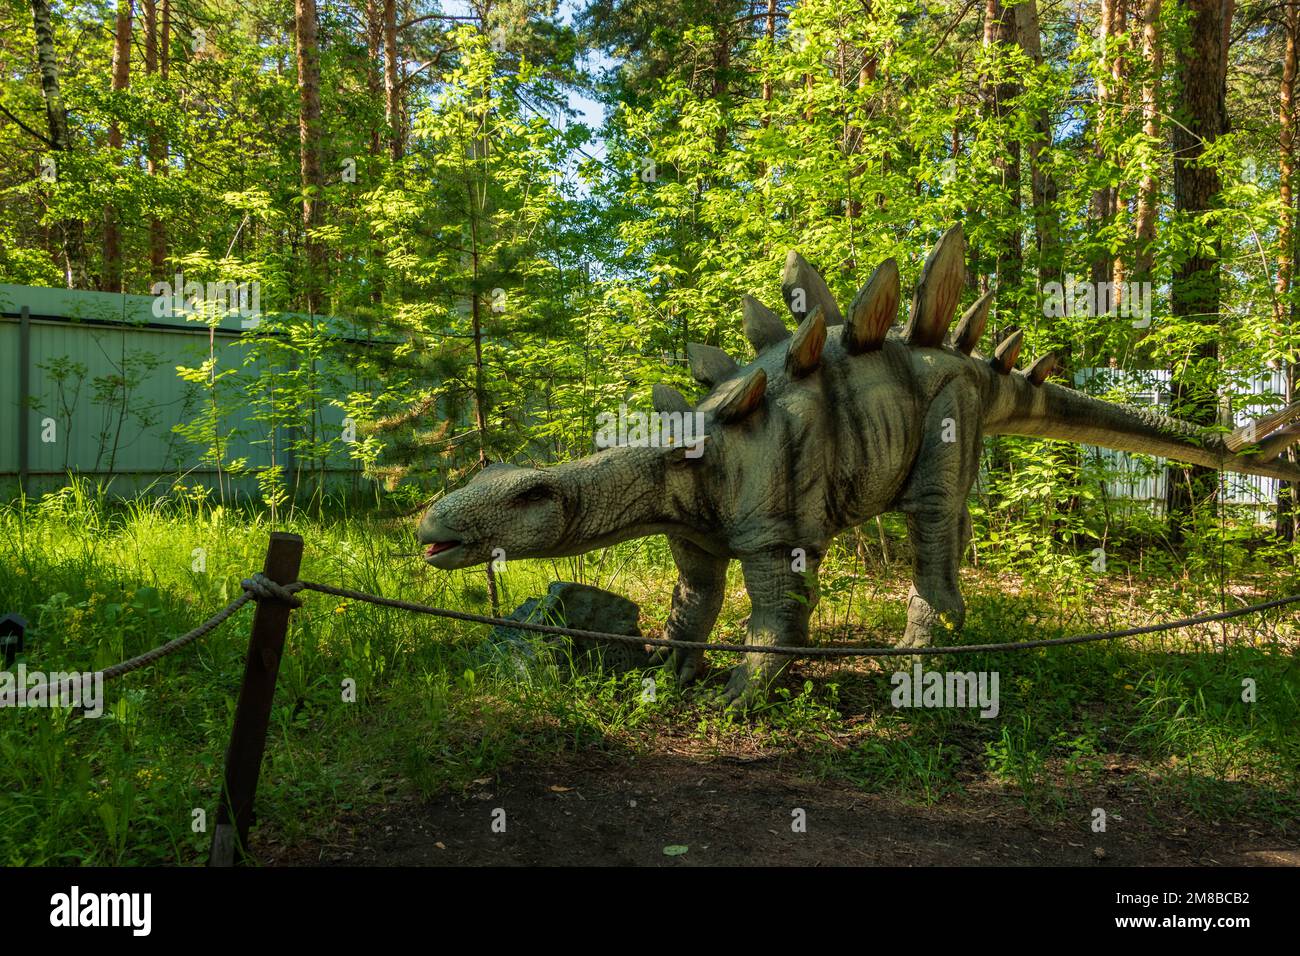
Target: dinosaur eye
[531, 495]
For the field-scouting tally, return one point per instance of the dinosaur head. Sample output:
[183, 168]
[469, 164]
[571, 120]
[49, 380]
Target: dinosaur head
[653, 484]
[522, 511]
[509, 512]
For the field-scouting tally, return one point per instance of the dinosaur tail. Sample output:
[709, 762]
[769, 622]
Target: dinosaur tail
[1019, 407]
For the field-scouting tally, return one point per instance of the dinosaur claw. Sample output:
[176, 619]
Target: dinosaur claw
[749, 684]
[685, 665]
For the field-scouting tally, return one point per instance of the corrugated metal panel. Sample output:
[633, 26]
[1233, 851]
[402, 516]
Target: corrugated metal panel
[1151, 387]
[142, 310]
[82, 418]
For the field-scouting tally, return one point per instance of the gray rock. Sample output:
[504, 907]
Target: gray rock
[578, 606]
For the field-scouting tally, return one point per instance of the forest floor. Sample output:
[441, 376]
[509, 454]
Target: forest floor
[609, 811]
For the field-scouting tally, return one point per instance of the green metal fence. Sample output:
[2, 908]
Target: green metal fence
[89, 386]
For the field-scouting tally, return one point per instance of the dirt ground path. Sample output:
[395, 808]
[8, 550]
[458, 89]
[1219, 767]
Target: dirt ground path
[596, 809]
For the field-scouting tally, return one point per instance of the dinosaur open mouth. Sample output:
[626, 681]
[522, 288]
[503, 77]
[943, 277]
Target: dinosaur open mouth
[438, 547]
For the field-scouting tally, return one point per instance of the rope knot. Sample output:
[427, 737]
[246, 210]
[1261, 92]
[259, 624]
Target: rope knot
[263, 588]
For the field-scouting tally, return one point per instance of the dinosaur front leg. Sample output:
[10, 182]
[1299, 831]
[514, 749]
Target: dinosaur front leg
[697, 599]
[783, 592]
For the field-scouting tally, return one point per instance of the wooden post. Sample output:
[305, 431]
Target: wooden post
[253, 714]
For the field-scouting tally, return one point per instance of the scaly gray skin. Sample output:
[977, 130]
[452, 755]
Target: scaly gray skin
[817, 435]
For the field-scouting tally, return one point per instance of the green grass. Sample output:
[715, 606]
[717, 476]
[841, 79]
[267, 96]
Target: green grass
[100, 582]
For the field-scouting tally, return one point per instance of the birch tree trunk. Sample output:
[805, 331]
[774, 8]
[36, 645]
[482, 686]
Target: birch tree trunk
[72, 230]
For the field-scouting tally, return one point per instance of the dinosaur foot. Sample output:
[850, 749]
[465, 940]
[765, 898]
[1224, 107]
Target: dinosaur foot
[685, 666]
[751, 680]
[915, 636]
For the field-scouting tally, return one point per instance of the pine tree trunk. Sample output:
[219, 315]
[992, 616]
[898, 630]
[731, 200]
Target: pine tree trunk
[111, 277]
[165, 45]
[721, 82]
[999, 102]
[1196, 280]
[374, 66]
[1103, 198]
[309, 137]
[1149, 187]
[769, 31]
[392, 87]
[156, 149]
[1283, 309]
[375, 86]
[1120, 97]
[1043, 185]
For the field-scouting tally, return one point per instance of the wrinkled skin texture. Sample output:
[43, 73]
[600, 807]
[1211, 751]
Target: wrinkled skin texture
[897, 428]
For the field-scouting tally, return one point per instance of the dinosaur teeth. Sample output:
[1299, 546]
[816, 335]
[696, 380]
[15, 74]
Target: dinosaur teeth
[710, 365]
[971, 327]
[935, 301]
[763, 327]
[741, 396]
[1043, 368]
[806, 347]
[804, 290]
[1005, 355]
[873, 310]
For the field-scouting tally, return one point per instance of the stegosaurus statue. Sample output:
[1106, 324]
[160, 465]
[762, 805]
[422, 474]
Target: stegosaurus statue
[826, 428]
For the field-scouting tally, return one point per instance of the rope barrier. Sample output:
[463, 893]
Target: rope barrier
[148, 657]
[259, 588]
[840, 651]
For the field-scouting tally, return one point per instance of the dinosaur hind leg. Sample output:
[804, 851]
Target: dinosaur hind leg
[934, 602]
[937, 518]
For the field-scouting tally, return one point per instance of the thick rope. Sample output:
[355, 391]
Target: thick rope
[148, 657]
[836, 651]
[262, 588]
[259, 588]
[256, 588]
